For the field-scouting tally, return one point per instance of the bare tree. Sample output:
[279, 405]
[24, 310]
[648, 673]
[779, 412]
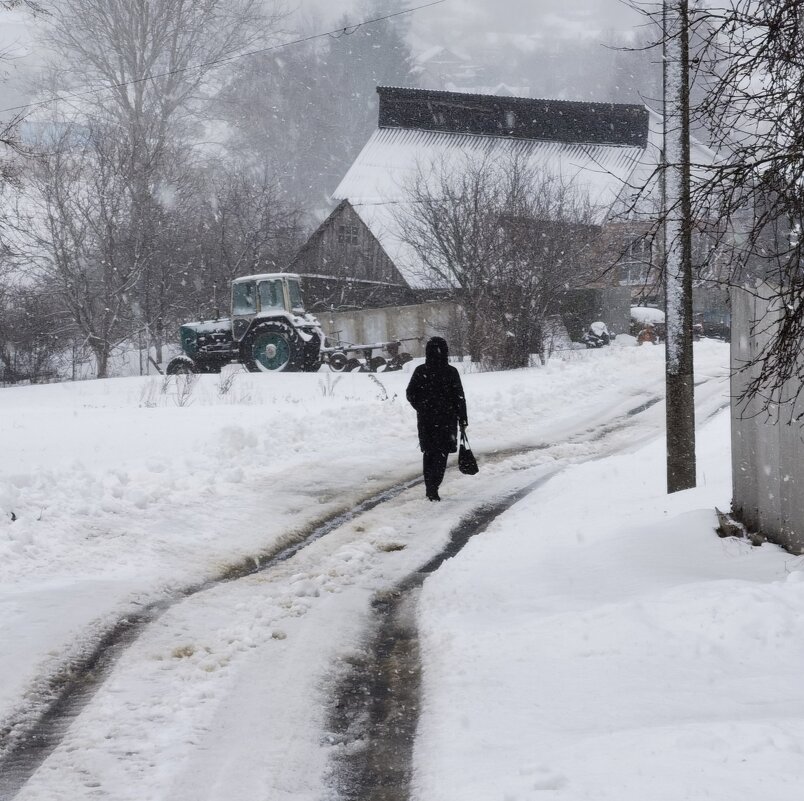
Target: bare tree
[69, 233]
[451, 220]
[10, 142]
[151, 62]
[240, 224]
[548, 229]
[31, 5]
[755, 80]
[505, 240]
[748, 82]
[31, 327]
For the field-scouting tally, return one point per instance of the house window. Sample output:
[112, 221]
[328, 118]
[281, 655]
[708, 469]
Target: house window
[347, 234]
[635, 262]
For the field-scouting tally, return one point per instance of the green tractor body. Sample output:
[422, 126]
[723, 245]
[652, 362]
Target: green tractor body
[269, 331]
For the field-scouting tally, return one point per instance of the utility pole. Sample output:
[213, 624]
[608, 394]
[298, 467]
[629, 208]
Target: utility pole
[678, 250]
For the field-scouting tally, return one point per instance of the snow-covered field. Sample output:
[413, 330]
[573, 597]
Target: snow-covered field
[598, 641]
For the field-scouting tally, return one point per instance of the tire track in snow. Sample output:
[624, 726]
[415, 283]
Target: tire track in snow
[377, 703]
[25, 744]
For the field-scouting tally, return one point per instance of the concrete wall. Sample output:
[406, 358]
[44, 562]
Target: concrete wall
[767, 446]
[417, 323]
[422, 321]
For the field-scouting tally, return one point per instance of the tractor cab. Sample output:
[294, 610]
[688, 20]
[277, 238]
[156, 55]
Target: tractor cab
[261, 296]
[270, 328]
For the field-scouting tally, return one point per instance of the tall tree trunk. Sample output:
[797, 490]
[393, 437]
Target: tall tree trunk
[101, 351]
[474, 333]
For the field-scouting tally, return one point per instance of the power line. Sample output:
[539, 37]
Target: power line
[337, 33]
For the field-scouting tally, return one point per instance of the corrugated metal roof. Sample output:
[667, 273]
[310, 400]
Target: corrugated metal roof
[577, 121]
[375, 184]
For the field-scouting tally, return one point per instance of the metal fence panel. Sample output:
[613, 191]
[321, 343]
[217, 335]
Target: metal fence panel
[743, 433]
[767, 444]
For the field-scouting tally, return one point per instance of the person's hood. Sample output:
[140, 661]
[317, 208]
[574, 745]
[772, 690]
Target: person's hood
[436, 352]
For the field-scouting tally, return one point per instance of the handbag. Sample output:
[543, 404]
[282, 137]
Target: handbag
[466, 459]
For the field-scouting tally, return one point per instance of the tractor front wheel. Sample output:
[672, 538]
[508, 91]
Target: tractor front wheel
[271, 348]
[181, 365]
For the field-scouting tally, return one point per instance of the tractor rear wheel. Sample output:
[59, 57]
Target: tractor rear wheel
[271, 348]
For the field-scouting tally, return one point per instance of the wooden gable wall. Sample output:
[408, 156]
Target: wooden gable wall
[344, 247]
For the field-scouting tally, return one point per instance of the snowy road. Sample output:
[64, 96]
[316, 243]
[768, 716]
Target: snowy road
[229, 693]
[105, 484]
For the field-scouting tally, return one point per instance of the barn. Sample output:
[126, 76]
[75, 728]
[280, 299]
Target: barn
[357, 257]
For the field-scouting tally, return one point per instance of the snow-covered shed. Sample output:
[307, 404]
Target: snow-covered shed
[607, 150]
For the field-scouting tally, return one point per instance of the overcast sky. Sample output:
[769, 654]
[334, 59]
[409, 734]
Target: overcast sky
[464, 25]
[457, 22]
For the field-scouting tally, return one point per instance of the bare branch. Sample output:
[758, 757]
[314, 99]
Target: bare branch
[505, 240]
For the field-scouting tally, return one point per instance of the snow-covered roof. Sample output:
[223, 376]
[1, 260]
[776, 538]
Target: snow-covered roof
[375, 185]
[393, 156]
[438, 52]
[265, 277]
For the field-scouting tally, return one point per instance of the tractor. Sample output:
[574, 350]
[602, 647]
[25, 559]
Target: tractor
[270, 331]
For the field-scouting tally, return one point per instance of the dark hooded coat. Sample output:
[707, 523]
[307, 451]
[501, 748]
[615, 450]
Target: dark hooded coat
[436, 393]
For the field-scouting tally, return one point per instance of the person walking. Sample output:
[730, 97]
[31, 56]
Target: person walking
[436, 393]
